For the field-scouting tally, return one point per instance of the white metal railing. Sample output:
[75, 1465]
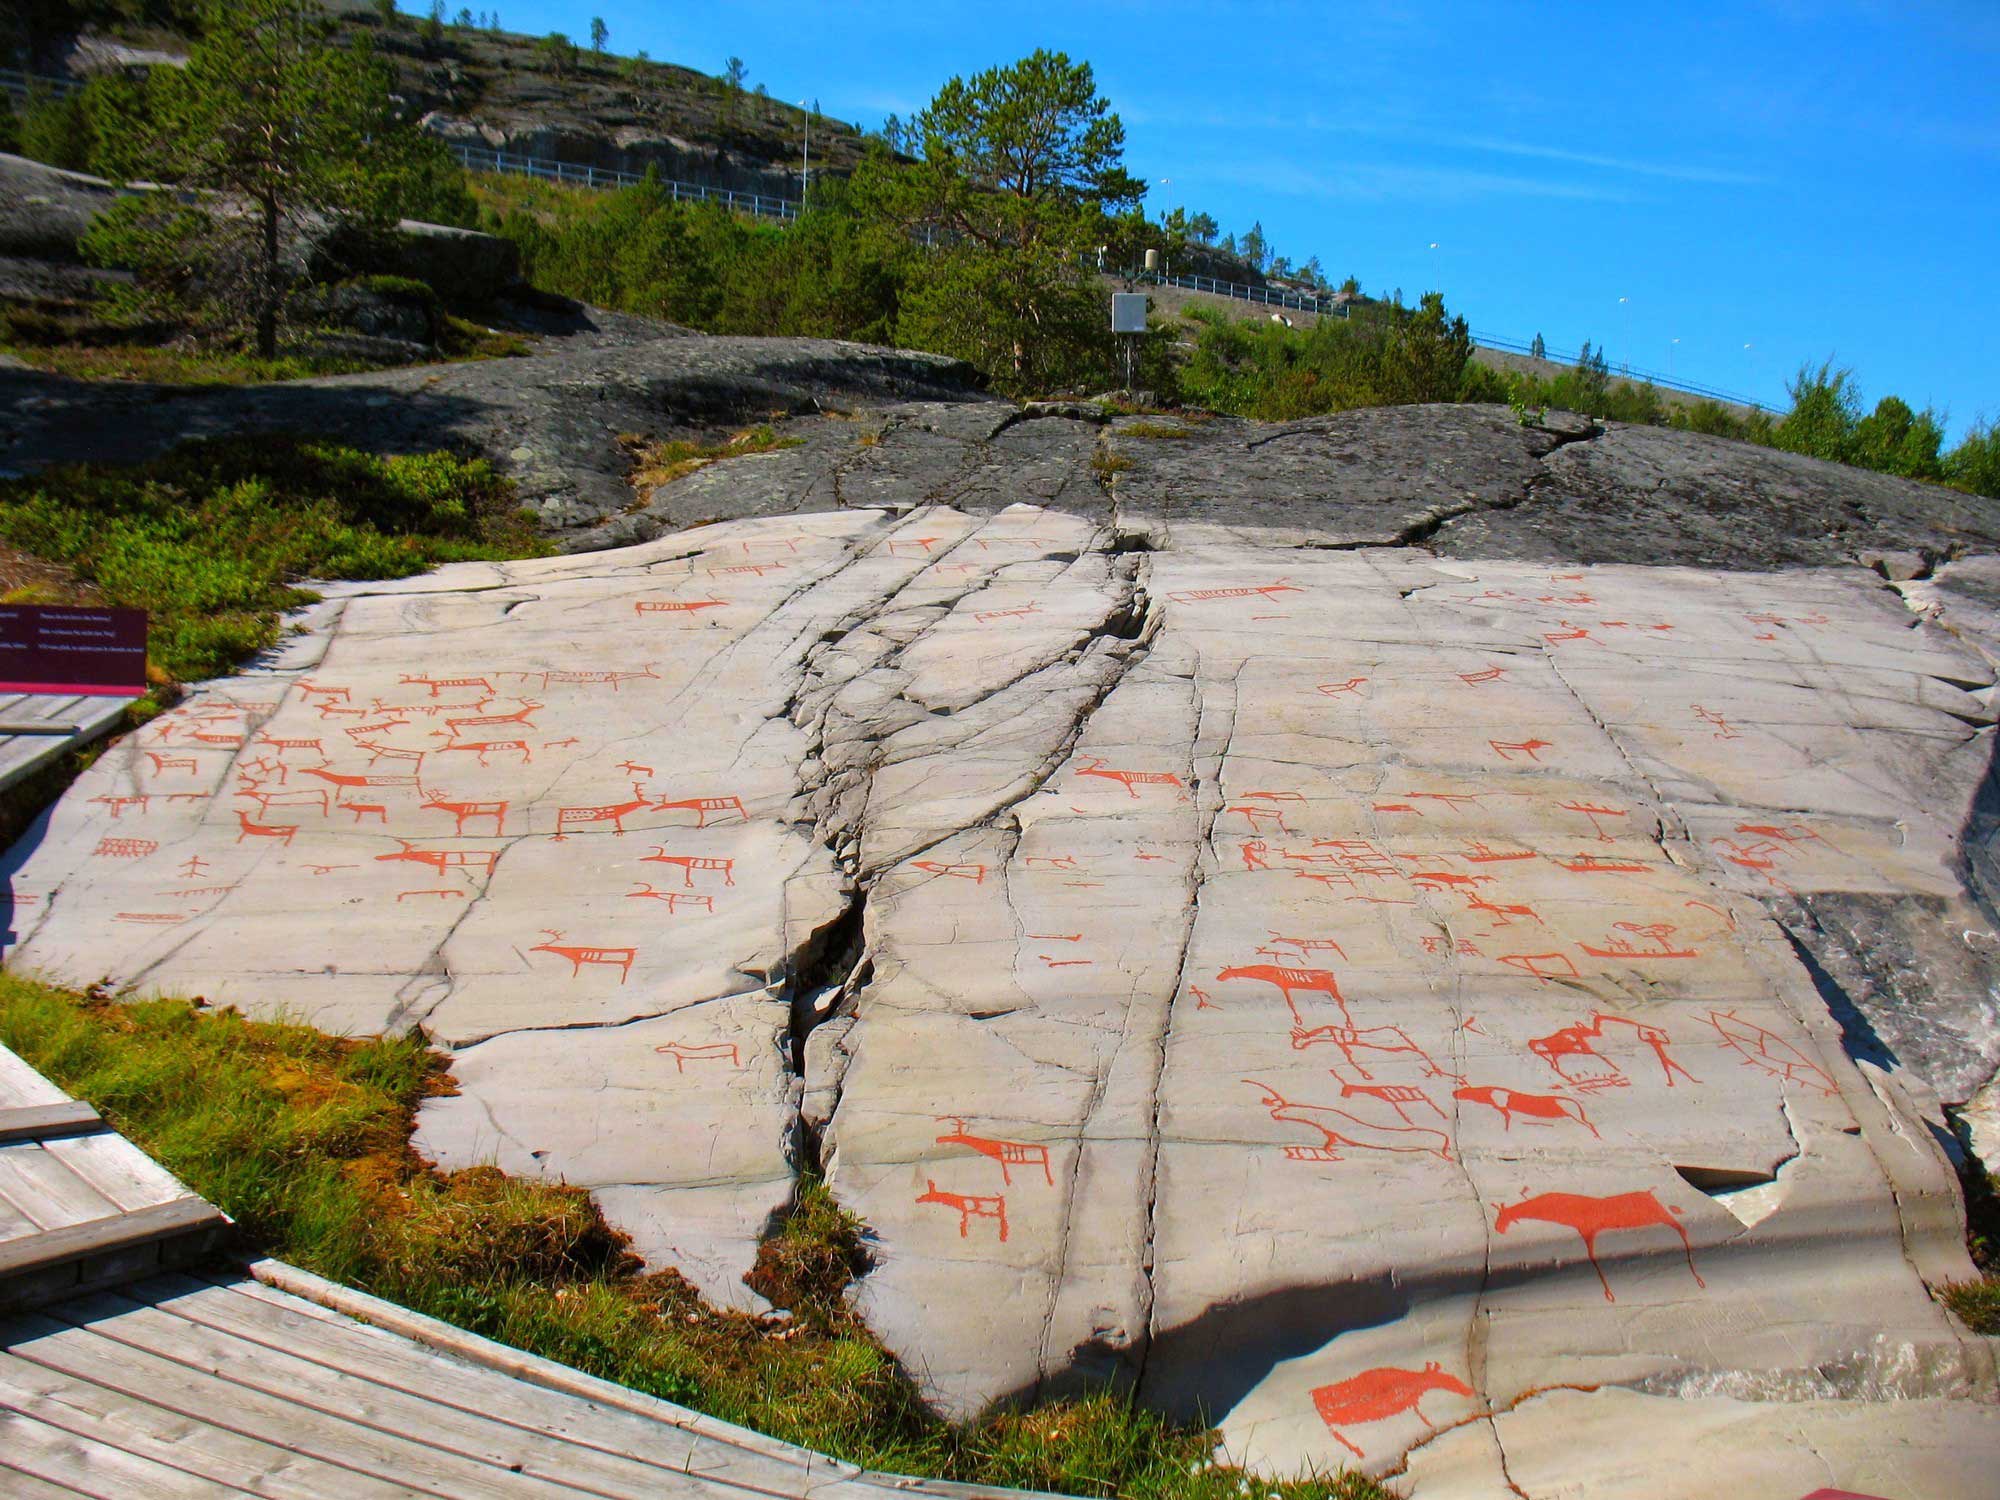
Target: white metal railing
[27, 85]
[1618, 372]
[481, 159]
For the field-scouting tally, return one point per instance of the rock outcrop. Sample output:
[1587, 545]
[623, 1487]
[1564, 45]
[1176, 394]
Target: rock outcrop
[1440, 944]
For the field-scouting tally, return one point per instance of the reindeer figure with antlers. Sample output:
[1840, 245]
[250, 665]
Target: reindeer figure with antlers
[1006, 1153]
[620, 959]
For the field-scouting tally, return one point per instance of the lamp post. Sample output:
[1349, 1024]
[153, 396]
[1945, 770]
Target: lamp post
[1626, 332]
[806, 162]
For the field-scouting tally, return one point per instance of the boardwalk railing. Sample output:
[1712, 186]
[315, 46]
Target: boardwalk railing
[481, 159]
[27, 85]
[1617, 372]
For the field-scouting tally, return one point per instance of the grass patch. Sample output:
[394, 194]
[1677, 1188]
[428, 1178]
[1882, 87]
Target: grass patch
[1153, 430]
[656, 463]
[1104, 463]
[173, 365]
[304, 1140]
[1977, 1303]
[212, 538]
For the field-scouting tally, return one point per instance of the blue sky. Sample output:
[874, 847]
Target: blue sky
[1810, 180]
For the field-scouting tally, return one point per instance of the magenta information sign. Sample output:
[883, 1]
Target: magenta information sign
[60, 648]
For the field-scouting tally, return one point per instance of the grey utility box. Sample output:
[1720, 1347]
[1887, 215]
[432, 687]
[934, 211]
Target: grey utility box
[1128, 312]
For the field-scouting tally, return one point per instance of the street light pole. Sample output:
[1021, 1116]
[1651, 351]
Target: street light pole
[806, 164]
[1626, 332]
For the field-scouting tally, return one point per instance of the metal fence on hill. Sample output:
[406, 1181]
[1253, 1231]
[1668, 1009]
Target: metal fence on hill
[481, 159]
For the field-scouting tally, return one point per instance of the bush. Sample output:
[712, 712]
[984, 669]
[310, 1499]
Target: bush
[212, 538]
[1974, 465]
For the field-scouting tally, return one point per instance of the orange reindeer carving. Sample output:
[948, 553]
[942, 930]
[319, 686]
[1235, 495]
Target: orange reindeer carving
[1131, 779]
[1349, 1039]
[439, 684]
[1590, 1217]
[684, 1053]
[1312, 981]
[1536, 1108]
[970, 1206]
[284, 832]
[689, 863]
[614, 813]
[1577, 1041]
[524, 716]
[1378, 1394]
[620, 959]
[482, 860]
[674, 900]
[463, 811]
[165, 763]
[1339, 1130]
[1006, 1153]
[701, 807]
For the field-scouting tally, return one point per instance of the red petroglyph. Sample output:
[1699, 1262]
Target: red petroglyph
[922, 544]
[379, 752]
[1530, 748]
[481, 860]
[620, 959]
[1261, 591]
[360, 734]
[119, 804]
[1055, 937]
[1580, 1040]
[1344, 1131]
[1377, 1394]
[1201, 1000]
[1594, 864]
[267, 800]
[429, 710]
[282, 746]
[156, 918]
[1007, 1154]
[194, 864]
[1349, 1039]
[1536, 1109]
[633, 768]
[446, 893]
[974, 873]
[1050, 862]
[1352, 685]
[1481, 854]
[165, 763]
[1065, 963]
[264, 767]
[678, 606]
[187, 796]
[1254, 816]
[1543, 966]
[362, 809]
[1724, 730]
[465, 812]
[1395, 1095]
[329, 869]
[1304, 945]
[674, 900]
[198, 892]
[684, 1053]
[970, 1206]
[524, 716]
[1593, 812]
[1791, 833]
[1770, 1053]
[1727, 916]
[439, 684]
[1491, 674]
[592, 679]
[1447, 880]
[789, 543]
[484, 748]
[310, 689]
[985, 617]
[614, 813]
[1658, 932]
[1503, 912]
[1254, 852]
[563, 744]
[701, 807]
[340, 779]
[1131, 779]
[1570, 632]
[283, 832]
[1397, 807]
[689, 863]
[231, 740]
[1592, 1216]
[1288, 982]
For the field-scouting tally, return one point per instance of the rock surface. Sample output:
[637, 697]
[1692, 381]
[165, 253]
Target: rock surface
[1478, 1018]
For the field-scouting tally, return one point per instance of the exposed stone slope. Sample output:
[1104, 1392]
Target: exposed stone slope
[1474, 1017]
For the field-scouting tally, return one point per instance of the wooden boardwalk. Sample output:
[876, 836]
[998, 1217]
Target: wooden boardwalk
[81, 1206]
[123, 1381]
[36, 727]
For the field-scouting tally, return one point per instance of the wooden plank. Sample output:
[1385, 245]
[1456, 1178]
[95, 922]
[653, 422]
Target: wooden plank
[226, 1384]
[18, 1486]
[46, 1190]
[25, 1122]
[115, 1231]
[101, 1473]
[118, 1169]
[21, 1084]
[92, 1414]
[396, 1363]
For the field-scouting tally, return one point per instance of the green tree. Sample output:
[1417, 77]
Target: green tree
[1021, 167]
[1202, 229]
[385, 12]
[432, 30]
[269, 132]
[1426, 353]
[1974, 464]
[558, 52]
[599, 33]
[1253, 247]
[1896, 440]
[1538, 349]
[463, 20]
[1826, 410]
